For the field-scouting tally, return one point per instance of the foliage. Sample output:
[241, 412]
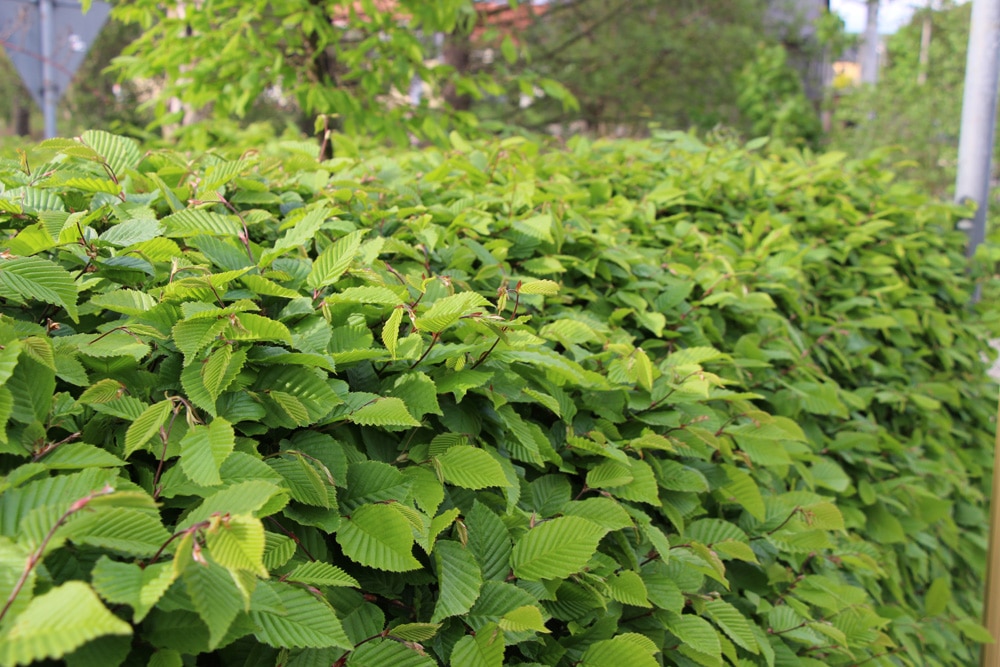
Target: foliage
[773, 101]
[354, 62]
[631, 403]
[921, 120]
[633, 62]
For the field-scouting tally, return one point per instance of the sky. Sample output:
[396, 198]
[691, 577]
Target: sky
[893, 14]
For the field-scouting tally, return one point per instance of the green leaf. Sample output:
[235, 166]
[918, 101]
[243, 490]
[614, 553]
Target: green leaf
[486, 649]
[628, 649]
[193, 336]
[733, 623]
[12, 560]
[195, 222]
[489, 541]
[304, 620]
[37, 279]
[384, 412]
[102, 391]
[214, 596]
[128, 583]
[203, 450]
[123, 529]
[448, 310]
[148, 424]
[547, 287]
[524, 619]
[415, 632]
[333, 261]
[390, 331]
[471, 468]
[119, 153]
[555, 549]
[938, 596]
[236, 542]
[56, 623]
[628, 588]
[317, 573]
[605, 512]
[459, 578]
[694, 632]
[388, 652]
[380, 537]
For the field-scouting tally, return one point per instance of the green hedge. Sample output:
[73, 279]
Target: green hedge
[631, 403]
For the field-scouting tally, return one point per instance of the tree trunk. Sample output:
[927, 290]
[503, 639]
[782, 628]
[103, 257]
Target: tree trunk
[925, 46]
[22, 119]
[457, 53]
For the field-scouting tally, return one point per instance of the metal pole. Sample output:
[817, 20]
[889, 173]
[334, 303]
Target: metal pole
[869, 46]
[979, 110]
[50, 96]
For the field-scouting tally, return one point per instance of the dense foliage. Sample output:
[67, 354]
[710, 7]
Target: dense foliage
[631, 403]
[355, 63]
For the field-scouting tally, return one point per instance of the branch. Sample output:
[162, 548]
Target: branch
[35, 556]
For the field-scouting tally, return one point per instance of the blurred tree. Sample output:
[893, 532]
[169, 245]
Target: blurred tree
[921, 118]
[354, 62]
[679, 63]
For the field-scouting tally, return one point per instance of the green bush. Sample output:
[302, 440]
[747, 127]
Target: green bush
[630, 403]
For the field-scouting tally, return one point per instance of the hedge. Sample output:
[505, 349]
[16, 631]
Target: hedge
[637, 403]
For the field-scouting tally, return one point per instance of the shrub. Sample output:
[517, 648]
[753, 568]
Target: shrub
[630, 403]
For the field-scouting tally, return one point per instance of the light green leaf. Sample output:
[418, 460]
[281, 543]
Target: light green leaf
[56, 623]
[203, 450]
[547, 287]
[333, 261]
[486, 649]
[448, 310]
[628, 588]
[388, 652]
[459, 578]
[524, 619]
[390, 331]
[733, 623]
[471, 468]
[384, 412]
[194, 222]
[128, 583]
[303, 622]
[380, 537]
[695, 632]
[214, 596]
[317, 573]
[415, 632]
[118, 152]
[621, 650]
[37, 279]
[938, 596]
[146, 426]
[236, 542]
[77, 455]
[555, 549]
[124, 529]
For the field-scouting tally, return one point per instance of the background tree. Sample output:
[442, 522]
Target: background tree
[922, 119]
[352, 61]
[632, 62]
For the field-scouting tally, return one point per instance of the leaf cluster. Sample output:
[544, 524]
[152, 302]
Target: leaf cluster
[638, 403]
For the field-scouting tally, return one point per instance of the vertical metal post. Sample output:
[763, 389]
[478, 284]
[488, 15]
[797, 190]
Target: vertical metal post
[869, 46]
[979, 110]
[50, 96]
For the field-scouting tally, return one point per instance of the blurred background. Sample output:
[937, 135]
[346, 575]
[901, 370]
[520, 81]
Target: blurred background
[846, 75]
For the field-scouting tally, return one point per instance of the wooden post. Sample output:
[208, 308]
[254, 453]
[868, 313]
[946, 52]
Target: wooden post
[991, 605]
